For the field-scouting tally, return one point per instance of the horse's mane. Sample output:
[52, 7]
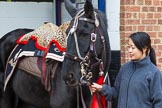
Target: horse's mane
[102, 17]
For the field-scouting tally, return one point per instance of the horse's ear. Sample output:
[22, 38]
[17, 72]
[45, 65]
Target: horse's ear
[88, 8]
[72, 10]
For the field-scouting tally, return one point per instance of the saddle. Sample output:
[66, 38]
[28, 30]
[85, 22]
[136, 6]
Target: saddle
[47, 42]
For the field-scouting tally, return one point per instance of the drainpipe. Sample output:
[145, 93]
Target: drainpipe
[58, 12]
[102, 5]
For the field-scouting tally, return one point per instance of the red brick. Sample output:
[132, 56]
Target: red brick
[159, 47]
[159, 9]
[156, 2]
[121, 28]
[156, 28]
[125, 15]
[158, 53]
[139, 2]
[122, 9]
[154, 46]
[134, 28]
[157, 41]
[152, 34]
[149, 28]
[132, 9]
[134, 15]
[152, 9]
[128, 2]
[128, 28]
[160, 60]
[141, 15]
[132, 22]
[122, 42]
[148, 21]
[159, 21]
[122, 21]
[149, 15]
[160, 34]
[145, 9]
[148, 2]
[157, 15]
[141, 28]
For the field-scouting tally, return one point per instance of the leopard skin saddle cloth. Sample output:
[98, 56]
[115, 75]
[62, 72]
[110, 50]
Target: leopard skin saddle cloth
[46, 34]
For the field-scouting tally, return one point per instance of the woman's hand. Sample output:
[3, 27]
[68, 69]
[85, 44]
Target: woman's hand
[95, 87]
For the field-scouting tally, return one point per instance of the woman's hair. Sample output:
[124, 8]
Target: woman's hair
[142, 40]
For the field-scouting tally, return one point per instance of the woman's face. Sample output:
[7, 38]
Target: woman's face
[134, 53]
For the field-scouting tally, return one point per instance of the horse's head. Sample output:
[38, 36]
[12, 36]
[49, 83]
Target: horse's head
[88, 50]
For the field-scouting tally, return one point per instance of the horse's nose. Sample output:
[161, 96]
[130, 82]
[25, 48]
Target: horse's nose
[70, 80]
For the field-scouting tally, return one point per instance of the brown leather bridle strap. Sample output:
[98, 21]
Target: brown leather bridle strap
[73, 57]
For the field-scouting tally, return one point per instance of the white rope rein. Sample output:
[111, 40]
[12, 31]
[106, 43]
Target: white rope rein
[73, 29]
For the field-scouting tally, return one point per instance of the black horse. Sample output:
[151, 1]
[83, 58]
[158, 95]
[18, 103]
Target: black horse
[88, 48]
[88, 53]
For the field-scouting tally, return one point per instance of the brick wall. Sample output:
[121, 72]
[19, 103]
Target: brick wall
[141, 15]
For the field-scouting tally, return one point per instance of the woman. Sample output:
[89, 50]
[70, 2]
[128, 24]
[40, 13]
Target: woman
[139, 82]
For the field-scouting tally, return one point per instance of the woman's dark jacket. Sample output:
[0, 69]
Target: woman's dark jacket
[138, 85]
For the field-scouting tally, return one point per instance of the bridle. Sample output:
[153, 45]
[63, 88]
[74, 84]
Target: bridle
[85, 62]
